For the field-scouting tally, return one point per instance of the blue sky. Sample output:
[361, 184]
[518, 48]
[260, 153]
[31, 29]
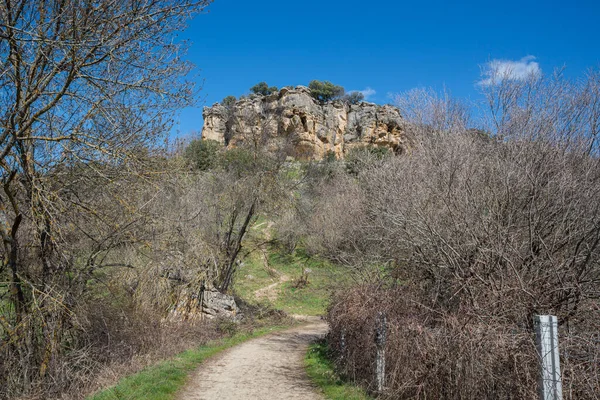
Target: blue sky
[383, 45]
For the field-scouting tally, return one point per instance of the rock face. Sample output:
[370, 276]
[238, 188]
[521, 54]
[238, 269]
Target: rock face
[304, 128]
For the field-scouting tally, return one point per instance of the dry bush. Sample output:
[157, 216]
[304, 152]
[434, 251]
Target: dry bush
[135, 247]
[449, 356]
[430, 355]
[480, 230]
[106, 341]
[505, 230]
[90, 88]
[124, 340]
[580, 366]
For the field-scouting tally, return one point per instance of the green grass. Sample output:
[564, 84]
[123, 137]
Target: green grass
[309, 300]
[321, 372]
[163, 380]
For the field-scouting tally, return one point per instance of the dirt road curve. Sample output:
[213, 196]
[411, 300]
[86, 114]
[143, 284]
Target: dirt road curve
[267, 368]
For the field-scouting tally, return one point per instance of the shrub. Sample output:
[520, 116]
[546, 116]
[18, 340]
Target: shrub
[237, 159]
[429, 355]
[325, 90]
[228, 101]
[263, 89]
[243, 161]
[330, 156]
[353, 98]
[473, 233]
[360, 158]
[202, 154]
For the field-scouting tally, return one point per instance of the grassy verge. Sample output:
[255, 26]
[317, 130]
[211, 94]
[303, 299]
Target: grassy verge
[321, 372]
[163, 380]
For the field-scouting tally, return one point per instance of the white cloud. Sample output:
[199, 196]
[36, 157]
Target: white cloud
[368, 92]
[496, 71]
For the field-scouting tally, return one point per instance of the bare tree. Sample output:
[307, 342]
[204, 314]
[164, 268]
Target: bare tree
[87, 88]
[433, 111]
[473, 234]
[549, 108]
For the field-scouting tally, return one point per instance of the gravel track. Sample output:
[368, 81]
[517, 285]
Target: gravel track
[266, 368]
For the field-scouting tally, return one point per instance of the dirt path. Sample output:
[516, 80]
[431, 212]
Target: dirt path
[267, 368]
[270, 292]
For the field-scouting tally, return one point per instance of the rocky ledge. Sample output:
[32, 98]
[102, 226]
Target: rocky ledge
[294, 122]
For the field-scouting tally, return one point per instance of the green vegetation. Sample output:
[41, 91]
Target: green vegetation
[330, 157]
[320, 90]
[163, 380]
[241, 161]
[228, 101]
[283, 272]
[321, 371]
[208, 154]
[353, 97]
[202, 154]
[325, 90]
[263, 89]
[360, 158]
[310, 300]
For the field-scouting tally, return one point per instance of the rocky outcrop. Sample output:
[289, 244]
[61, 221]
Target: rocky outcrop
[210, 304]
[216, 304]
[294, 122]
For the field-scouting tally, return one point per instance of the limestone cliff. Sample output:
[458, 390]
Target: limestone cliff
[301, 126]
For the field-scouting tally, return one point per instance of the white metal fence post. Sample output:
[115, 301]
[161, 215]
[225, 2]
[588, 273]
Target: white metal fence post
[546, 335]
[380, 336]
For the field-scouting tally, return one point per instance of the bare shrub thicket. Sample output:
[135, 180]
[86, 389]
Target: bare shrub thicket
[88, 91]
[429, 355]
[471, 234]
[199, 225]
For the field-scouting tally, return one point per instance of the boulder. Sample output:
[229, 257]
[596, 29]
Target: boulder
[212, 304]
[216, 304]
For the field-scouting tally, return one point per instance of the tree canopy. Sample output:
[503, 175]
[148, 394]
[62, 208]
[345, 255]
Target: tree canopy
[263, 89]
[353, 97]
[228, 101]
[325, 90]
[202, 154]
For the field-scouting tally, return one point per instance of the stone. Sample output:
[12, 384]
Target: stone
[215, 121]
[213, 304]
[292, 121]
[216, 304]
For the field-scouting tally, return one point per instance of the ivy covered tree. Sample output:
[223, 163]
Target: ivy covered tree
[325, 90]
[263, 89]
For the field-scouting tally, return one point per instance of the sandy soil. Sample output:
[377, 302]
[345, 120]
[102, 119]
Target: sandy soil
[267, 368]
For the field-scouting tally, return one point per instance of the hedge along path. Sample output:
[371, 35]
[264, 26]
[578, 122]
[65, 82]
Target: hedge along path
[267, 368]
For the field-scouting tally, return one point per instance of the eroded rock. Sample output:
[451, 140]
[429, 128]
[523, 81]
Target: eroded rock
[304, 128]
[211, 304]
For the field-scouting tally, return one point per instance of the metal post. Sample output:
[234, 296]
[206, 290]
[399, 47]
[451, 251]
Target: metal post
[546, 334]
[202, 288]
[380, 336]
[343, 344]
